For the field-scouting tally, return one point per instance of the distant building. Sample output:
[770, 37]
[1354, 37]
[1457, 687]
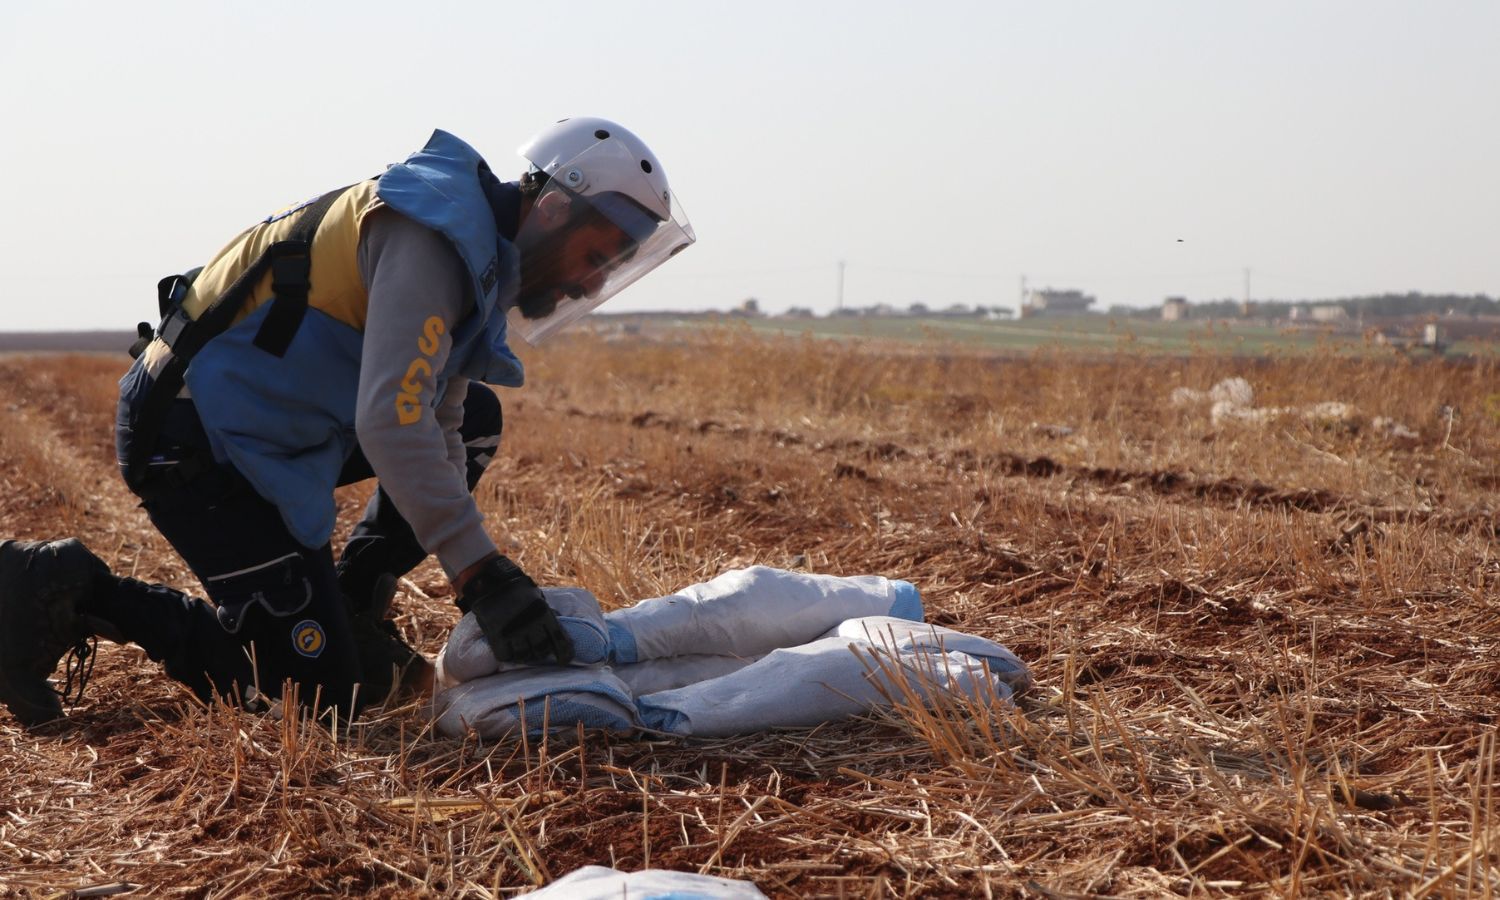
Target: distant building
[1052, 302]
[1174, 309]
[1399, 333]
[1327, 312]
[750, 309]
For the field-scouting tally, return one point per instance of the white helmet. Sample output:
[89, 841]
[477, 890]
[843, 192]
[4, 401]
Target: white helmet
[594, 167]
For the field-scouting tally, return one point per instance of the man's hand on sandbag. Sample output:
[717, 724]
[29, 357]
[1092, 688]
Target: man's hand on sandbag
[513, 614]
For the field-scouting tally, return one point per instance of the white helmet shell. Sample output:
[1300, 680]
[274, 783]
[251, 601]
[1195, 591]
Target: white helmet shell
[632, 169]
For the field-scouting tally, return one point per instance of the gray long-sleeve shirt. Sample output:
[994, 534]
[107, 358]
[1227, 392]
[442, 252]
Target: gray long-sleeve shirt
[418, 289]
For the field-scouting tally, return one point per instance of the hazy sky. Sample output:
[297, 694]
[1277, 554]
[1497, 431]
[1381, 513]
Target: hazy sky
[942, 149]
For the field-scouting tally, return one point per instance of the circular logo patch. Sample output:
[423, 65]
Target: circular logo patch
[308, 638]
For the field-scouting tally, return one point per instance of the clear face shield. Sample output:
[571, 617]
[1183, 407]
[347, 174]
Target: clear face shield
[586, 238]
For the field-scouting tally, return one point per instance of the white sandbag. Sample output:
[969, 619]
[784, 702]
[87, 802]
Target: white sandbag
[1390, 428]
[903, 636]
[467, 654]
[807, 685]
[750, 612]
[1234, 391]
[560, 696]
[1330, 412]
[1185, 396]
[599, 883]
[651, 675]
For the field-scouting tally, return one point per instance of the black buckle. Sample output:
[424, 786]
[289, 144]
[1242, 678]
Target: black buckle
[171, 328]
[161, 480]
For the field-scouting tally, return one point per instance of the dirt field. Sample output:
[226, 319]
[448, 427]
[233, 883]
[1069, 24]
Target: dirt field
[1266, 645]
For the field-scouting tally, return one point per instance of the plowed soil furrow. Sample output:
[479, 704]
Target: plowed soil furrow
[1229, 493]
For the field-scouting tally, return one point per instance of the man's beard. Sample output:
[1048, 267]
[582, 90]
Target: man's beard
[536, 304]
[540, 293]
[539, 301]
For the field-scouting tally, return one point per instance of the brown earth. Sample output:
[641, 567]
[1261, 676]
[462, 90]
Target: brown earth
[1266, 653]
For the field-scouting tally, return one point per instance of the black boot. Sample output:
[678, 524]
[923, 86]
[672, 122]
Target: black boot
[392, 670]
[43, 587]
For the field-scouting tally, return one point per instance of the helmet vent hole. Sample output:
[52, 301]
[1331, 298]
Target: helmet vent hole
[601, 134]
[646, 166]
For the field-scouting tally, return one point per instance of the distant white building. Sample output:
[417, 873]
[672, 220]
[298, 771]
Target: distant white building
[1174, 309]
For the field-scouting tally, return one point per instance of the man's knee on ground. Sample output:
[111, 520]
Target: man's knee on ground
[288, 615]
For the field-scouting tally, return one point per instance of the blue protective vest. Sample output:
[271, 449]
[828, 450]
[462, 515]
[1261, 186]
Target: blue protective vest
[287, 424]
[438, 186]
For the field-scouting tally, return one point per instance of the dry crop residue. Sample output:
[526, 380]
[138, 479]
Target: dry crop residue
[1267, 656]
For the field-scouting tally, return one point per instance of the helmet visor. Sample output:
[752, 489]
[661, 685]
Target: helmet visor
[582, 245]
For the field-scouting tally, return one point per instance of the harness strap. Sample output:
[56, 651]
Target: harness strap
[290, 264]
[291, 270]
[289, 282]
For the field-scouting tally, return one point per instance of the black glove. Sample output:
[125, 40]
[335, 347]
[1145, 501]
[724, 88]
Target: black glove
[515, 618]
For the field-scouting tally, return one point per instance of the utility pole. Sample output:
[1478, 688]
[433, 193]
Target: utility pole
[1245, 309]
[840, 306]
[1022, 302]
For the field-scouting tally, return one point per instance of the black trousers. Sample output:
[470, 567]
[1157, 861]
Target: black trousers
[278, 613]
